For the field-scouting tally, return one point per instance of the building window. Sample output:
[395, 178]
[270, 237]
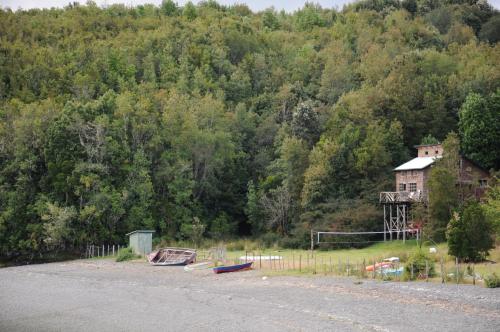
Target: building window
[483, 183]
[413, 187]
[402, 187]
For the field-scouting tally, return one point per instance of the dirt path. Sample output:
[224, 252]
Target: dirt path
[108, 296]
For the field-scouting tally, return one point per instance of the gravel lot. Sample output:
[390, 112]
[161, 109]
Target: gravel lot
[108, 296]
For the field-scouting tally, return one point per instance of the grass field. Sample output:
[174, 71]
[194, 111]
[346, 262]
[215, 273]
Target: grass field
[337, 262]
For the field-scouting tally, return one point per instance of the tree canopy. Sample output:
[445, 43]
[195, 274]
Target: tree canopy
[212, 120]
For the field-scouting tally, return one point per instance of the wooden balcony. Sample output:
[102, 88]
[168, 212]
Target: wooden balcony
[402, 197]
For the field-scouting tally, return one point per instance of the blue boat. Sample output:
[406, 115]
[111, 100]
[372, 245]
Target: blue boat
[232, 268]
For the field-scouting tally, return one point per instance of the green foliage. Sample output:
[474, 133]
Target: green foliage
[126, 254]
[429, 139]
[420, 264]
[480, 129]
[492, 281]
[443, 192]
[491, 206]
[469, 234]
[259, 124]
[490, 31]
[195, 230]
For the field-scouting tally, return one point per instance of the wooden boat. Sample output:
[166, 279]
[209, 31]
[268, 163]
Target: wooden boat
[232, 268]
[198, 266]
[172, 256]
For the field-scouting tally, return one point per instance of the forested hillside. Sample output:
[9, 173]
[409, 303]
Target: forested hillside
[217, 120]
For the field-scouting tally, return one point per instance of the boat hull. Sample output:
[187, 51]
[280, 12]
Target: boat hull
[172, 257]
[232, 268]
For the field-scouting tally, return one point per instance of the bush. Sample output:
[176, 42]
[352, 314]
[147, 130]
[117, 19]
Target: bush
[417, 262]
[469, 234]
[492, 281]
[269, 240]
[126, 254]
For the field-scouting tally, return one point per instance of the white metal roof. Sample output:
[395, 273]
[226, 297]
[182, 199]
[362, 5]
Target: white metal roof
[416, 163]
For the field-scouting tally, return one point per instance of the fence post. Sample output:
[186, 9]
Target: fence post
[473, 273]
[411, 271]
[300, 263]
[457, 267]
[442, 270]
[426, 271]
[331, 266]
[348, 272]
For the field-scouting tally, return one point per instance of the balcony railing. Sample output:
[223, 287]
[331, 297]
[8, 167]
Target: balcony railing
[402, 196]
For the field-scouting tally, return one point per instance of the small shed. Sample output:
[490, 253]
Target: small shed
[141, 241]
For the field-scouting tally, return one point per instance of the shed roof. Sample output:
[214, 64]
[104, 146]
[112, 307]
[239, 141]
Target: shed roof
[416, 163]
[140, 231]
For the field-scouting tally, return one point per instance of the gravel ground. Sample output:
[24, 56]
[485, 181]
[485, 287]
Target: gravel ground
[107, 296]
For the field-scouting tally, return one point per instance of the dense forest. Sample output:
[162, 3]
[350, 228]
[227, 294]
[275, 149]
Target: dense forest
[216, 121]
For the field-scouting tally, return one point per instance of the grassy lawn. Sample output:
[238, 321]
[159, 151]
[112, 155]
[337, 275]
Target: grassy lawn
[303, 262]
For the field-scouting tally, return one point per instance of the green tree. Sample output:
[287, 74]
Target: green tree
[480, 129]
[491, 206]
[443, 192]
[429, 139]
[469, 233]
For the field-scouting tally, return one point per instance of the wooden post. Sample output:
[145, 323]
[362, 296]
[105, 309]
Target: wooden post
[260, 260]
[426, 271]
[442, 271]
[331, 266]
[314, 265]
[312, 240]
[473, 273]
[385, 224]
[457, 267]
[347, 262]
[300, 263]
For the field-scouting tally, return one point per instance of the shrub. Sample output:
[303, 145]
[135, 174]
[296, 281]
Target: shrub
[492, 281]
[469, 233]
[269, 240]
[417, 262]
[126, 254]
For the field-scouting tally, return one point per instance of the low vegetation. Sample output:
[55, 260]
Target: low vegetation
[126, 254]
[492, 281]
[419, 265]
